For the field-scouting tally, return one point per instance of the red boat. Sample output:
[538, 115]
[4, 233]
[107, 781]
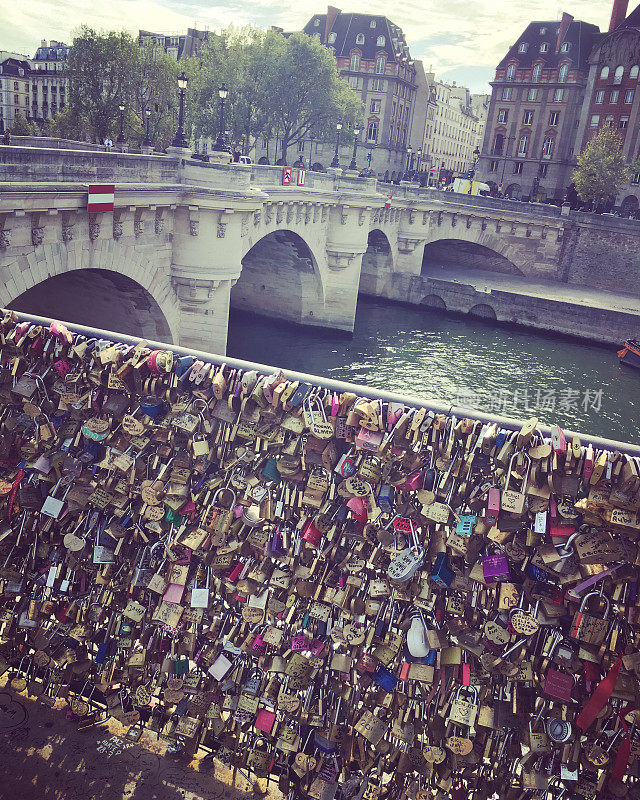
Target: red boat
[630, 353]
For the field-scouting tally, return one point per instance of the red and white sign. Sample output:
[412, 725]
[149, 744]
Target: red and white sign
[388, 201]
[302, 177]
[286, 176]
[101, 197]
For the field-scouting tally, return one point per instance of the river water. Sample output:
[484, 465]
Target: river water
[463, 361]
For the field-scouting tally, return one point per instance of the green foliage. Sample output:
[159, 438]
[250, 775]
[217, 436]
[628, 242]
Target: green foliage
[601, 170]
[64, 125]
[20, 125]
[154, 90]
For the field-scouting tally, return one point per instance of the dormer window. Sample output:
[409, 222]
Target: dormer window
[535, 75]
[354, 66]
[562, 75]
[544, 47]
[565, 47]
[522, 47]
[633, 72]
[543, 31]
[604, 73]
[316, 23]
[380, 41]
[511, 72]
[372, 24]
[360, 38]
[332, 37]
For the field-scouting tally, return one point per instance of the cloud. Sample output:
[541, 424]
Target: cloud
[449, 35]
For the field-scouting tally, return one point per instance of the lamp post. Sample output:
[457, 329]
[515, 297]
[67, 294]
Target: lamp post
[120, 139]
[147, 141]
[504, 161]
[419, 162]
[223, 93]
[336, 161]
[356, 133]
[472, 171]
[179, 139]
[409, 162]
[311, 138]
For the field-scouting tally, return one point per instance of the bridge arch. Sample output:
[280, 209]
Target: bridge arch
[483, 311]
[98, 298]
[281, 277]
[118, 285]
[465, 254]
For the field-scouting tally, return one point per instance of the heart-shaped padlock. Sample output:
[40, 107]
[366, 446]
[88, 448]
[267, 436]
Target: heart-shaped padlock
[406, 564]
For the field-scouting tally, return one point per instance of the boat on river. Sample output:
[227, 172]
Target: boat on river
[630, 353]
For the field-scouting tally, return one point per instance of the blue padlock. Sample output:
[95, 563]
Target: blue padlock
[385, 679]
[441, 573]
[385, 498]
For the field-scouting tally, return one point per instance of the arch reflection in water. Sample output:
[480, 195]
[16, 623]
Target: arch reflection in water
[99, 298]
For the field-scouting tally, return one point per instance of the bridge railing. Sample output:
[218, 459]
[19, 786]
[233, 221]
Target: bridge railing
[435, 405]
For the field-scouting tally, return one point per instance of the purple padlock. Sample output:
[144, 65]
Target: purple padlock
[495, 568]
[259, 644]
[299, 642]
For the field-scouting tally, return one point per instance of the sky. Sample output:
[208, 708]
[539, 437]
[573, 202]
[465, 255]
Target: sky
[460, 40]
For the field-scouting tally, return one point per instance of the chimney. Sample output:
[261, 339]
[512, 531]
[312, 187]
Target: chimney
[618, 13]
[332, 14]
[43, 43]
[566, 20]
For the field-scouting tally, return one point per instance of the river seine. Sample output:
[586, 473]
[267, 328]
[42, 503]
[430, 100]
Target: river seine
[462, 361]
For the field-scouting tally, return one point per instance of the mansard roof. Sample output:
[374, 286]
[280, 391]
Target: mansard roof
[348, 26]
[581, 36]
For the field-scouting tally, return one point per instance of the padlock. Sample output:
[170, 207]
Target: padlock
[586, 627]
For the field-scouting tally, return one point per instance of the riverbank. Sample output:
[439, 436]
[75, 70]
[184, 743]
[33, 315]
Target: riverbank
[586, 313]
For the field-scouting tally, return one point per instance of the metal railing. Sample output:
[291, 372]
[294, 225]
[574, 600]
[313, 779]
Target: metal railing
[431, 404]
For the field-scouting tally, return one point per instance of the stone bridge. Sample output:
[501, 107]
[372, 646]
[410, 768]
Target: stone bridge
[186, 240]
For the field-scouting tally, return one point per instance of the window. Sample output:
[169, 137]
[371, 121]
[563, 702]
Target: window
[633, 72]
[378, 85]
[542, 31]
[332, 37]
[506, 93]
[617, 76]
[542, 170]
[316, 23]
[381, 65]
[372, 132]
[503, 116]
[636, 178]
[595, 121]
[562, 75]
[604, 73]
[522, 145]
[535, 75]
[517, 168]
[624, 121]
[354, 66]
[375, 106]
[301, 146]
[15, 100]
[544, 47]
[608, 121]
[498, 144]
[527, 118]
[372, 24]
[565, 47]
[628, 97]
[380, 41]
[493, 166]
[353, 81]
[511, 71]
[15, 86]
[613, 97]
[522, 47]
[600, 97]
[554, 116]
[547, 147]
[558, 95]
[360, 38]
[532, 94]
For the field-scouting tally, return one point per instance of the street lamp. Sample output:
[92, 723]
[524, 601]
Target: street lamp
[311, 138]
[472, 171]
[409, 162]
[179, 139]
[336, 161]
[223, 93]
[147, 141]
[419, 163]
[120, 139]
[356, 133]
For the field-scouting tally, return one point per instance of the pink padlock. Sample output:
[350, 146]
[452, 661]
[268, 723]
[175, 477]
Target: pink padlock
[62, 367]
[61, 332]
[298, 642]
[368, 440]
[259, 644]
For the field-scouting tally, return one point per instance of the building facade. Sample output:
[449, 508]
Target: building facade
[14, 90]
[613, 95]
[176, 45]
[530, 146]
[452, 131]
[49, 86]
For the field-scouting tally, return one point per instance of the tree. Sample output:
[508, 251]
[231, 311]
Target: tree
[20, 126]
[155, 90]
[102, 70]
[601, 170]
[303, 90]
[64, 125]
